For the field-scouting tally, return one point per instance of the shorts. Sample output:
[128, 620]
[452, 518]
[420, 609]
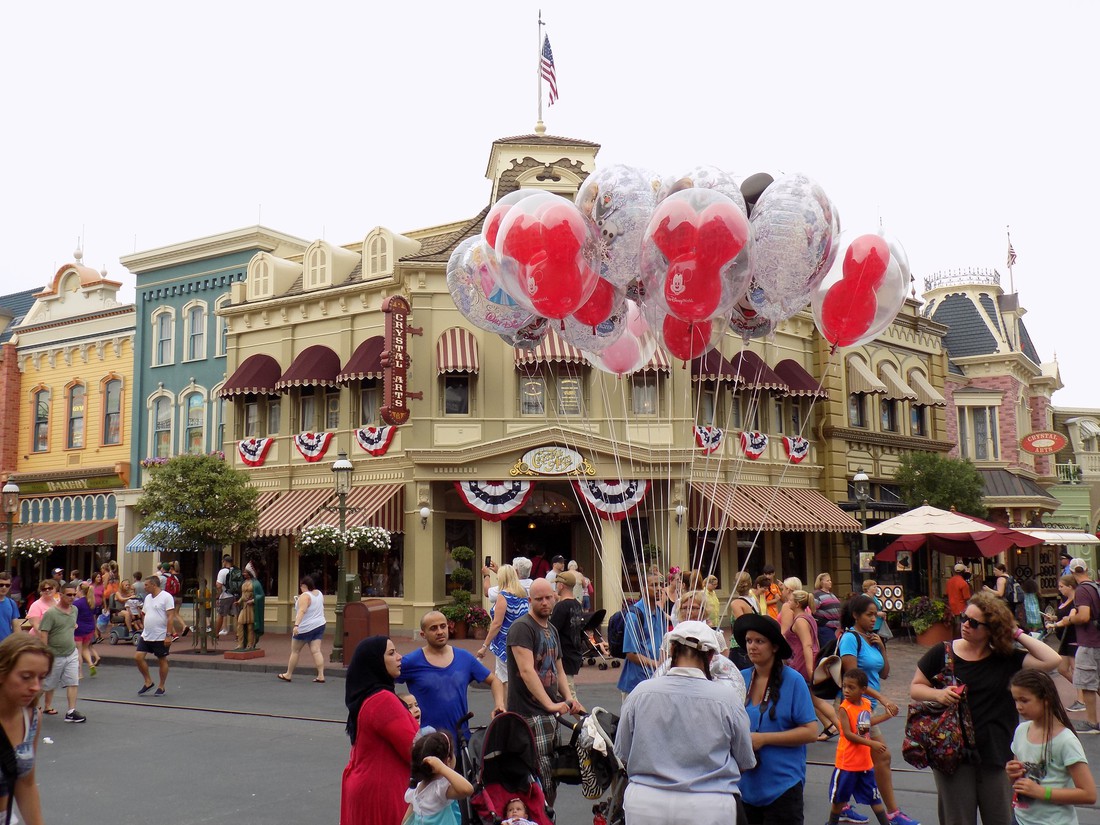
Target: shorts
[178, 600]
[227, 606]
[64, 673]
[158, 649]
[854, 785]
[501, 670]
[83, 640]
[310, 635]
[1086, 668]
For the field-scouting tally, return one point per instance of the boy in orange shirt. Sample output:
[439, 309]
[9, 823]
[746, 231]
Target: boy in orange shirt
[854, 776]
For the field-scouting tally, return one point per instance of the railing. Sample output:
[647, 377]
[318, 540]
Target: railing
[963, 277]
[1068, 473]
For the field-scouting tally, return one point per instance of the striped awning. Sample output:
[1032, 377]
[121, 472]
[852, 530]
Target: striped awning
[315, 366]
[754, 374]
[712, 367]
[365, 362]
[257, 375]
[658, 363]
[265, 498]
[552, 349]
[861, 379]
[456, 351]
[1059, 537]
[723, 506]
[70, 533]
[292, 510]
[896, 389]
[798, 381]
[141, 543]
[380, 505]
[927, 395]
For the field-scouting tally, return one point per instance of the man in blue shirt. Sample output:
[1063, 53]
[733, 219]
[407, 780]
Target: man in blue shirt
[438, 675]
[646, 625]
[9, 610]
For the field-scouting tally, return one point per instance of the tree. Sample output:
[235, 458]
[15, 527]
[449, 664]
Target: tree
[940, 481]
[197, 502]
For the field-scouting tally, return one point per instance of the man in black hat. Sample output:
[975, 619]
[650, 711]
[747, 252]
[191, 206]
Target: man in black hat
[1065, 558]
[557, 565]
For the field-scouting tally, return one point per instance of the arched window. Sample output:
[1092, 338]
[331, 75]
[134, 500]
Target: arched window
[379, 255]
[195, 426]
[195, 322]
[162, 428]
[261, 279]
[162, 337]
[41, 436]
[315, 267]
[74, 438]
[112, 412]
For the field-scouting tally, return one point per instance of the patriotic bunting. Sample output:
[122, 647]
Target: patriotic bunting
[375, 440]
[709, 438]
[494, 500]
[753, 444]
[612, 500]
[797, 448]
[253, 451]
[312, 446]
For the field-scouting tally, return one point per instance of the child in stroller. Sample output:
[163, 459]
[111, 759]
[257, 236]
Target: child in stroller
[506, 764]
[516, 813]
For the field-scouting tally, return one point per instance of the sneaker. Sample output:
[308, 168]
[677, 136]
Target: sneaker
[74, 716]
[186, 630]
[145, 689]
[850, 814]
[223, 633]
[93, 670]
[899, 817]
[159, 692]
[1076, 707]
[1085, 727]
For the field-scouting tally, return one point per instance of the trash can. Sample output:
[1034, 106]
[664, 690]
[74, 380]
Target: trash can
[363, 619]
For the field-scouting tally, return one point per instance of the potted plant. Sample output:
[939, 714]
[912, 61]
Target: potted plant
[930, 620]
[461, 578]
[321, 540]
[457, 614]
[478, 621]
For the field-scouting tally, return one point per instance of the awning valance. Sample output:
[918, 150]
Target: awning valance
[712, 366]
[315, 366]
[70, 533]
[861, 379]
[552, 349]
[658, 363]
[365, 362]
[896, 389]
[291, 511]
[723, 506]
[380, 505]
[456, 351]
[927, 395]
[798, 381]
[141, 542]
[754, 374]
[257, 375]
[1059, 537]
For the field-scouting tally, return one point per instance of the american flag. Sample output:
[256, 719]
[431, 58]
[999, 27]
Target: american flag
[546, 67]
[1011, 254]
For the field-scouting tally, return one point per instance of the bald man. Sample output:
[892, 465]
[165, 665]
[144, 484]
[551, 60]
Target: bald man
[439, 674]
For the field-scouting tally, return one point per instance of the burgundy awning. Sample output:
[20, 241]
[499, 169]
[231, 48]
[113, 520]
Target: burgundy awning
[315, 366]
[712, 367]
[754, 374]
[365, 362]
[798, 381]
[257, 375]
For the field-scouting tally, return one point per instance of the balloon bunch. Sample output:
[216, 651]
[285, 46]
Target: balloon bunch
[636, 262]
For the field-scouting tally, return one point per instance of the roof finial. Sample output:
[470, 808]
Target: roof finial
[540, 128]
[78, 253]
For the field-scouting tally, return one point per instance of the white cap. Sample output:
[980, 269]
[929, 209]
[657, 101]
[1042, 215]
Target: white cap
[1078, 566]
[694, 634]
[960, 568]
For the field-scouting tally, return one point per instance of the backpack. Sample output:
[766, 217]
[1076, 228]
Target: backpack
[616, 633]
[1014, 594]
[234, 581]
[1094, 618]
[172, 584]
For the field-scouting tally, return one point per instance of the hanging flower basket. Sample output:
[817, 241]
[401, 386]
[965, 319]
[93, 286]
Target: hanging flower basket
[31, 548]
[321, 540]
[372, 540]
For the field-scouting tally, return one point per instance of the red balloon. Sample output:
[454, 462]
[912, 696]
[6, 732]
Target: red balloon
[524, 239]
[866, 260]
[722, 234]
[598, 307]
[493, 221]
[692, 291]
[553, 286]
[563, 231]
[686, 339]
[675, 232]
[847, 312]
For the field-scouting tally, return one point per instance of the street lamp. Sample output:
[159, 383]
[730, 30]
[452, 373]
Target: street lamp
[341, 469]
[863, 494]
[11, 506]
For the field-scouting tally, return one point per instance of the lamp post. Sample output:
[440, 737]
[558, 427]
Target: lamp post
[341, 469]
[11, 506]
[863, 494]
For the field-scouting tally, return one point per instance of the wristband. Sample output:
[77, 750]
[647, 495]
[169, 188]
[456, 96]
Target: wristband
[1017, 633]
[1050, 791]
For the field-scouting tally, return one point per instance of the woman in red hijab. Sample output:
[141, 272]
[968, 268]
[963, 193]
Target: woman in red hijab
[382, 731]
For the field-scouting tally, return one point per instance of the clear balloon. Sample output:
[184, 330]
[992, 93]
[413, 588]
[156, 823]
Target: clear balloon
[528, 337]
[472, 273]
[704, 177]
[747, 319]
[631, 351]
[491, 225]
[547, 254]
[681, 339]
[595, 338]
[619, 202]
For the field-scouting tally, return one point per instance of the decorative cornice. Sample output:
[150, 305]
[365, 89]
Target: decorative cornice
[238, 240]
[904, 442]
[66, 475]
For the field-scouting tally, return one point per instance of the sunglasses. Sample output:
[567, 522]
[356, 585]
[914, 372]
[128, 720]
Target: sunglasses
[974, 623]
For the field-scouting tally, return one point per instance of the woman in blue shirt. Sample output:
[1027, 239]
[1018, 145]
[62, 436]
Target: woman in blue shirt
[782, 721]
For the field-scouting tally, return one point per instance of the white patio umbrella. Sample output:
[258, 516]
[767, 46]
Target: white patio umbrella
[927, 520]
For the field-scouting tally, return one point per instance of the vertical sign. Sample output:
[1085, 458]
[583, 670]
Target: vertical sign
[395, 362]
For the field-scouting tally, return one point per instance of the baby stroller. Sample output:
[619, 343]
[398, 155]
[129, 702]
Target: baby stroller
[507, 767]
[597, 647]
[602, 774]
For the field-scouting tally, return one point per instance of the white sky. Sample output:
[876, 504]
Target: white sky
[166, 122]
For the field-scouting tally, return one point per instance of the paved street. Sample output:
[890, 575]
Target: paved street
[238, 746]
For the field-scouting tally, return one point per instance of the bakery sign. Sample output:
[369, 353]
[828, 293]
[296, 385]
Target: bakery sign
[1043, 443]
[552, 461]
[395, 361]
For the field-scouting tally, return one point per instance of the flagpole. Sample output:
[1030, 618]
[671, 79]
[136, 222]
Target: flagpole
[1011, 260]
[1011, 256]
[539, 126]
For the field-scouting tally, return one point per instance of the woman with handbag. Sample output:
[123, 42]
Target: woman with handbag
[984, 660]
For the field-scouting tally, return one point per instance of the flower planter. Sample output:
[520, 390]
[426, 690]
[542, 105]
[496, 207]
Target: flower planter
[937, 634]
[459, 630]
[480, 632]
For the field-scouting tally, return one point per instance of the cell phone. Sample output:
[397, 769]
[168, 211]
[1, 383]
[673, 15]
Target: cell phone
[488, 561]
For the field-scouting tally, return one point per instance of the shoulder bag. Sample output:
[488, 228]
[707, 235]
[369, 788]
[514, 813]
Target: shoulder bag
[939, 736]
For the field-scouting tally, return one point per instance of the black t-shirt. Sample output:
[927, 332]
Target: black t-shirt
[991, 704]
[568, 618]
[545, 646]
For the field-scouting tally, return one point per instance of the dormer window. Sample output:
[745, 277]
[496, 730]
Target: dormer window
[379, 256]
[316, 266]
[259, 280]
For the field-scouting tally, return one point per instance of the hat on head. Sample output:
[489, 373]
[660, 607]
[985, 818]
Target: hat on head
[1064, 554]
[960, 568]
[556, 559]
[694, 634]
[58, 570]
[1078, 566]
[568, 578]
[767, 627]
